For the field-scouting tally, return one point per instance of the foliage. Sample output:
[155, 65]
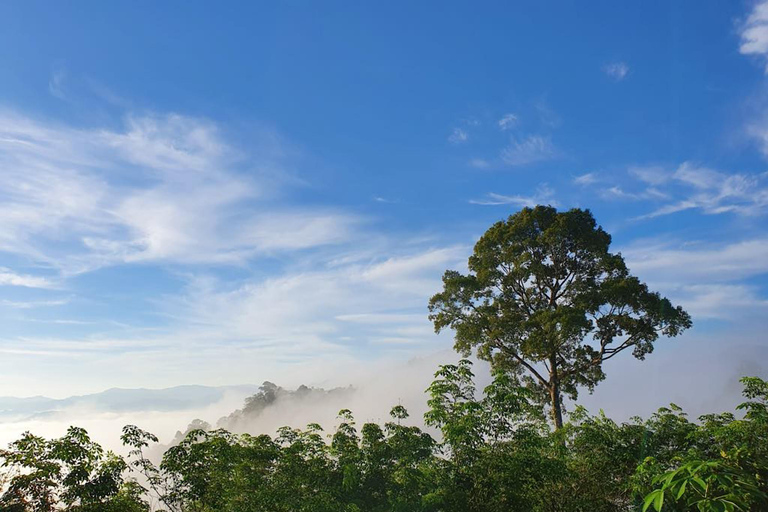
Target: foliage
[495, 452]
[546, 301]
[706, 486]
[72, 471]
[720, 465]
[376, 469]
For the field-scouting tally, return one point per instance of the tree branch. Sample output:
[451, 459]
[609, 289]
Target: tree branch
[523, 362]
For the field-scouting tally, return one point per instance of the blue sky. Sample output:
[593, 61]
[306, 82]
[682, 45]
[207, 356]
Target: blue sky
[223, 194]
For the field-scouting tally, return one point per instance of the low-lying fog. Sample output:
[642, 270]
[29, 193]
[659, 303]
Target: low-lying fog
[700, 381]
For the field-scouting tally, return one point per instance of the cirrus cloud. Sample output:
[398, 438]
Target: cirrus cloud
[164, 187]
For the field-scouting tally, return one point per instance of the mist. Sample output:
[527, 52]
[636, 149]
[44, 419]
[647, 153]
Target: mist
[105, 427]
[695, 372]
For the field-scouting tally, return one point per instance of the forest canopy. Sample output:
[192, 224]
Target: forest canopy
[494, 452]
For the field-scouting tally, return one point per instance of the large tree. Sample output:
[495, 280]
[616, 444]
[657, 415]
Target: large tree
[546, 300]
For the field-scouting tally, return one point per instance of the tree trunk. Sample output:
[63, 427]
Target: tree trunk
[557, 408]
[554, 394]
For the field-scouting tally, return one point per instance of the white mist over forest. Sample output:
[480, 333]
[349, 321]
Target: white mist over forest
[632, 388]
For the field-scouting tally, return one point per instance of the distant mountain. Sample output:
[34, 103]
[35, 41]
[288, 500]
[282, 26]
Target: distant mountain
[179, 398]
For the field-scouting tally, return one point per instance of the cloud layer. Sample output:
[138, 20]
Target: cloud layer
[161, 188]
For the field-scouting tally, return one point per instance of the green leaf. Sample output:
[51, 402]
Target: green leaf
[655, 498]
[700, 484]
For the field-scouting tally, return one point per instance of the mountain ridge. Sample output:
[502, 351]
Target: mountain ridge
[175, 398]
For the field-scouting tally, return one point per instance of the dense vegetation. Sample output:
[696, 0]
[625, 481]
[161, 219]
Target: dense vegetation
[546, 301]
[546, 304]
[497, 453]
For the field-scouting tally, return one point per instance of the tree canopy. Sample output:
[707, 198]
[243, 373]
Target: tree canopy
[547, 301]
[494, 453]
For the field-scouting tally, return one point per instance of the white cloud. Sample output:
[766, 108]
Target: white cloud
[166, 187]
[458, 136]
[479, 163]
[709, 280]
[694, 264]
[754, 32]
[757, 128]
[707, 190]
[653, 175]
[10, 278]
[408, 274]
[543, 195]
[722, 301]
[177, 145]
[615, 192]
[588, 178]
[618, 193]
[532, 149]
[307, 316]
[296, 230]
[32, 304]
[302, 313]
[616, 70]
[507, 121]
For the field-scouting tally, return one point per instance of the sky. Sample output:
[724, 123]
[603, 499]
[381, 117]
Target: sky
[221, 194]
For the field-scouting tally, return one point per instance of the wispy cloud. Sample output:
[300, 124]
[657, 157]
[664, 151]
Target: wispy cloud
[507, 121]
[479, 163]
[543, 195]
[548, 117]
[695, 263]
[653, 174]
[458, 136]
[616, 192]
[10, 278]
[722, 301]
[711, 280]
[32, 304]
[166, 187]
[754, 32]
[589, 178]
[617, 71]
[529, 150]
[310, 313]
[523, 147]
[700, 188]
[56, 83]
[756, 126]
